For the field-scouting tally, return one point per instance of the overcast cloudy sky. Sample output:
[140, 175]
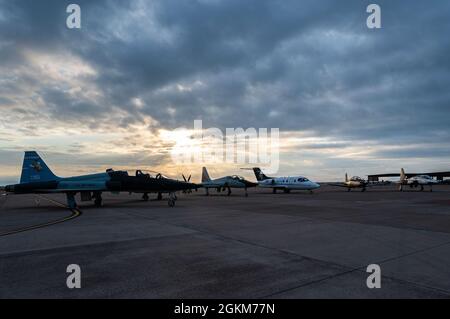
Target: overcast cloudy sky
[346, 98]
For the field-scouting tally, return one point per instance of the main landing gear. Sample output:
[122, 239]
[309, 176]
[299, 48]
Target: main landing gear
[415, 185]
[223, 188]
[71, 200]
[98, 200]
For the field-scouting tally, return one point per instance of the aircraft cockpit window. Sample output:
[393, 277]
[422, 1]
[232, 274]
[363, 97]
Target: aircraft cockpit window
[139, 173]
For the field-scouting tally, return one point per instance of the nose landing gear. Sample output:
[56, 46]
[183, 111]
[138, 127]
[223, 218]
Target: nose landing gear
[172, 199]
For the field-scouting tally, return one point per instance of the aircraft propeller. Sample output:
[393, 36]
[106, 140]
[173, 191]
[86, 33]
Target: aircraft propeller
[187, 180]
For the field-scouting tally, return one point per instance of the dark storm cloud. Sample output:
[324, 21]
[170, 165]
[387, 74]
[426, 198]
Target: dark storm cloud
[296, 65]
[416, 152]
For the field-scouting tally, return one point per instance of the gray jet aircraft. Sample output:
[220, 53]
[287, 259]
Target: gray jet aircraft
[225, 183]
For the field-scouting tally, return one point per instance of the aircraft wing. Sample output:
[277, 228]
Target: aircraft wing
[266, 185]
[338, 184]
[212, 184]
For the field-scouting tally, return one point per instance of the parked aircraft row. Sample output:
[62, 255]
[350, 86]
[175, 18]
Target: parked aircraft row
[285, 184]
[37, 178]
[412, 182]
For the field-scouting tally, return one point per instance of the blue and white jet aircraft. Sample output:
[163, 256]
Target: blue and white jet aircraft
[37, 178]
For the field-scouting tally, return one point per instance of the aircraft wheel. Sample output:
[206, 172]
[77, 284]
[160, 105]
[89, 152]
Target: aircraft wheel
[71, 202]
[172, 199]
[98, 202]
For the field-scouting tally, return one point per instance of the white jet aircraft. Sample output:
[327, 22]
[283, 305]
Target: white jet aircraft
[284, 183]
[416, 181]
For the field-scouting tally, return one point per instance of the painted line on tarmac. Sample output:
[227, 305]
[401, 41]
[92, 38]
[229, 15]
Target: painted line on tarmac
[75, 213]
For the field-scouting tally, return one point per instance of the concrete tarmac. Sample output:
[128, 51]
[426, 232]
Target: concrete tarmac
[296, 245]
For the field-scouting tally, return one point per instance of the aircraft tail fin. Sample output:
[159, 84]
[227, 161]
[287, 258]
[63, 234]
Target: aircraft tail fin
[402, 175]
[34, 169]
[346, 177]
[259, 174]
[205, 175]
